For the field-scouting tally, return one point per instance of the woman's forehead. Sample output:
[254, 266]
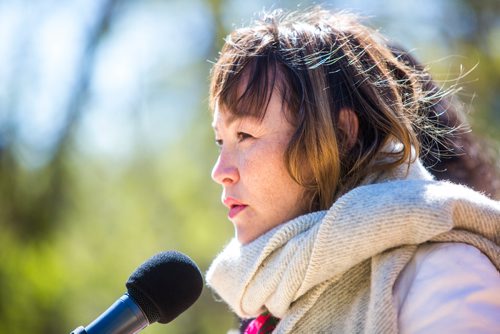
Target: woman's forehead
[222, 117]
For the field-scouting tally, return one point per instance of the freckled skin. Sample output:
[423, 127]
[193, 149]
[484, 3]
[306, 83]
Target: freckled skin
[251, 169]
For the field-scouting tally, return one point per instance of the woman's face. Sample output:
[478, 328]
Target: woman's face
[256, 187]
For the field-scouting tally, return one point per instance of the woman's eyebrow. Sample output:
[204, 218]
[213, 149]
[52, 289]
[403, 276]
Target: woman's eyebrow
[230, 119]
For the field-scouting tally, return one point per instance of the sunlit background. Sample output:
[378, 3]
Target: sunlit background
[106, 146]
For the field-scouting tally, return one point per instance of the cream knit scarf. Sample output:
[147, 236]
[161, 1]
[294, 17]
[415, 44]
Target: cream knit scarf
[333, 271]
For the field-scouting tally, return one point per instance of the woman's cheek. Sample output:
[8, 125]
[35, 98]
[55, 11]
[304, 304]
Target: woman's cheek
[249, 162]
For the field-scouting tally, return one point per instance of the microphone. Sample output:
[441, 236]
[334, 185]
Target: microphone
[160, 289]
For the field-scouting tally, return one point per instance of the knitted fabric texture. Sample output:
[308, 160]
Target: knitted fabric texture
[334, 271]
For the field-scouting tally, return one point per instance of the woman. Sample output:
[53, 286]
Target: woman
[339, 227]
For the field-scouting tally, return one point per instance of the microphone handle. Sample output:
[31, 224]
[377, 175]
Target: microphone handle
[123, 317]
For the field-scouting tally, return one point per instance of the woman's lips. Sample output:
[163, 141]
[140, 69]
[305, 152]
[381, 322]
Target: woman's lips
[235, 209]
[234, 206]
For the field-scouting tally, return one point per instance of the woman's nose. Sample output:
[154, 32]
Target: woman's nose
[225, 171]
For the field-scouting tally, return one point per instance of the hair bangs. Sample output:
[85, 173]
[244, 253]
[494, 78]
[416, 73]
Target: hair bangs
[247, 91]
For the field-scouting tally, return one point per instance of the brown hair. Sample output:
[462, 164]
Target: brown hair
[321, 63]
[461, 156]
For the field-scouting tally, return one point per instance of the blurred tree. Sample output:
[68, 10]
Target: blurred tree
[482, 44]
[32, 199]
[470, 32]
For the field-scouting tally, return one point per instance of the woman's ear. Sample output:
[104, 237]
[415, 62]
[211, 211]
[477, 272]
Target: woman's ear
[349, 125]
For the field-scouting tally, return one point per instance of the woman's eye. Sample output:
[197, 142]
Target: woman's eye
[242, 136]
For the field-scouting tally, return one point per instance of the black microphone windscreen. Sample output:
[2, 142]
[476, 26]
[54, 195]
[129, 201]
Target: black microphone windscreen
[165, 286]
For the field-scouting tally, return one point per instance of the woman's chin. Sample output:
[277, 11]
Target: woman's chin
[245, 237]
